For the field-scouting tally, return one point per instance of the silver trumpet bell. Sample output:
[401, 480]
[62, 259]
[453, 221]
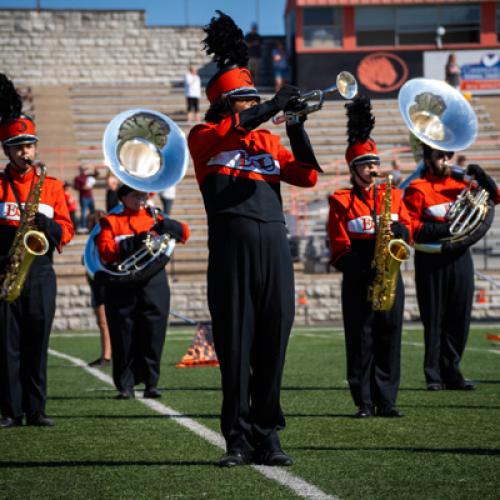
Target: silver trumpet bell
[145, 149]
[345, 84]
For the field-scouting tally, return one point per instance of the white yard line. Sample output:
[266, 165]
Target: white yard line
[280, 475]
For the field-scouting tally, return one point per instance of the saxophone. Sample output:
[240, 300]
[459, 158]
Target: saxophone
[28, 243]
[389, 253]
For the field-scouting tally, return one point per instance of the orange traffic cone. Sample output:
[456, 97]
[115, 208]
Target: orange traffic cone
[482, 297]
[201, 352]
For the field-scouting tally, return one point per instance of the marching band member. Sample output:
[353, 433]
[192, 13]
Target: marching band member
[373, 338]
[444, 281]
[25, 323]
[136, 312]
[250, 274]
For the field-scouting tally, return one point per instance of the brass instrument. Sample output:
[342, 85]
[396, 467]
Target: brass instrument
[28, 243]
[152, 248]
[389, 253]
[438, 115]
[147, 151]
[345, 84]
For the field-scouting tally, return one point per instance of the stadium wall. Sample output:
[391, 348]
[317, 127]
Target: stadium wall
[317, 302]
[68, 47]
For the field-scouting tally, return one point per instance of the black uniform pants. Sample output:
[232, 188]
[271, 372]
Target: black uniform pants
[445, 288]
[252, 303]
[137, 319]
[373, 343]
[25, 326]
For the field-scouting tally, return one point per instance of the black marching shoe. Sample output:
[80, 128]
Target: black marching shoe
[152, 393]
[364, 412]
[39, 419]
[99, 363]
[235, 457]
[6, 422]
[463, 385]
[434, 386]
[390, 412]
[273, 458]
[126, 394]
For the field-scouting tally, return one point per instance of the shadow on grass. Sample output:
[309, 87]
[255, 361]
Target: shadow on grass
[440, 406]
[138, 417]
[105, 463]
[454, 451]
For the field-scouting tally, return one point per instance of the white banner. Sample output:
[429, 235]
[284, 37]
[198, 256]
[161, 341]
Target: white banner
[479, 69]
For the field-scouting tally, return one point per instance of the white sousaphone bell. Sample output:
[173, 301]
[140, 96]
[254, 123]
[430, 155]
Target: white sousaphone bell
[147, 151]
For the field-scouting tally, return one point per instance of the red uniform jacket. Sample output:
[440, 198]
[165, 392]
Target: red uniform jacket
[116, 227]
[52, 202]
[239, 172]
[351, 220]
[429, 198]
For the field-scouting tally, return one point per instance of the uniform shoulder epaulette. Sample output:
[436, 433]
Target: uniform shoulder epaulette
[342, 192]
[417, 181]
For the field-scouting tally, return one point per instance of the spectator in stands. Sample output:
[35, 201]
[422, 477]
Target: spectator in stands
[167, 198]
[452, 71]
[192, 91]
[461, 161]
[83, 183]
[254, 44]
[395, 172]
[112, 185]
[71, 202]
[97, 294]
[280, 65]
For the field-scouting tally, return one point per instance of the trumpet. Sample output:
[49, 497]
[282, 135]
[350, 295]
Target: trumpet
[345, 84]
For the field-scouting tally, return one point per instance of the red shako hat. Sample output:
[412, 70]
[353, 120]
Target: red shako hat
[226, 44]
[18, 131]
[234, 82]
[361, 151]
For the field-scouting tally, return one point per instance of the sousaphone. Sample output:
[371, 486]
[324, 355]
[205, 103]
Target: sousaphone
[439, 115]
[147, 151]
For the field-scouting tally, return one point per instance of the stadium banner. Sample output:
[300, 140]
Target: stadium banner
[479, 69]
[380, 74]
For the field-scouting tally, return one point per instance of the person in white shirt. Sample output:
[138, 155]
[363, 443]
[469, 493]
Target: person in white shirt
[192, 91]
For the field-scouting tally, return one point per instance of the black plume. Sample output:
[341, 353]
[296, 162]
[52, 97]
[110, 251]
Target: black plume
[360, 121]
[225, 41]
[11, 104]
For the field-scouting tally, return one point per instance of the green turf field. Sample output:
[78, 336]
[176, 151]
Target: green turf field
[447, 446]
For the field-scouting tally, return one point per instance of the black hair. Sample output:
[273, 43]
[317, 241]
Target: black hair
[219, 109]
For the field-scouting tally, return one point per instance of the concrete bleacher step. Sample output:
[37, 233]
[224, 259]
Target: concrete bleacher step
[93, 107]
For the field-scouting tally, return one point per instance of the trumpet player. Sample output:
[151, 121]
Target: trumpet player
[250, 275]
[373, 337]
[26, 316]
[444, 281]
[136, 312]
